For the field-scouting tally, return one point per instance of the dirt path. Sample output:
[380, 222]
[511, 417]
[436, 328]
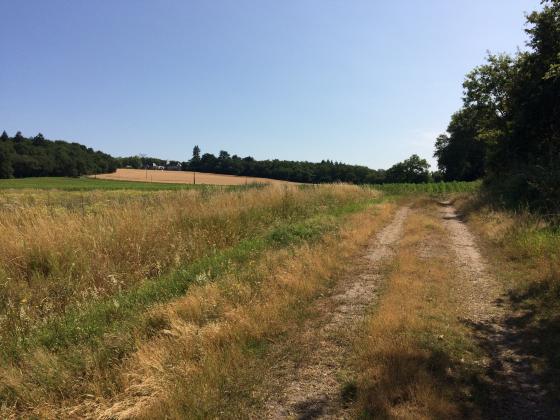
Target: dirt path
[515, 389]
[313, 389]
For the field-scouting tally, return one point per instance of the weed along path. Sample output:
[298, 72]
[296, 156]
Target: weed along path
[514, 390]
[311, 388]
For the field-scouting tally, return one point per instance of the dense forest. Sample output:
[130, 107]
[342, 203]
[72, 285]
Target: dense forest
[27, 157]
[508, 130]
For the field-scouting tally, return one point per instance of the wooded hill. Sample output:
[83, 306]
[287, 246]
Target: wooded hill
[30, 157]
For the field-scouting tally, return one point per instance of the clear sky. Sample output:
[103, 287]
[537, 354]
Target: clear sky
[360, 81]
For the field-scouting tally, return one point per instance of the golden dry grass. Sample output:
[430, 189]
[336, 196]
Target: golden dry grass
[211, 359]
[56, 258]
[185, 177]
[409, 348]
[55, 255]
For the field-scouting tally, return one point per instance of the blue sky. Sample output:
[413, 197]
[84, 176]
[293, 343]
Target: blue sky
[363, 82]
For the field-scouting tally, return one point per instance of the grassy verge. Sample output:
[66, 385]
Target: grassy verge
[413, 357]
[79, 351]
[526, 254]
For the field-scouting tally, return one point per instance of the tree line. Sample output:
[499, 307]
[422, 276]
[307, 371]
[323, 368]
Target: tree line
[412, 170]
[508, 129]
[36, 156]
[31, 157]
[311, 172]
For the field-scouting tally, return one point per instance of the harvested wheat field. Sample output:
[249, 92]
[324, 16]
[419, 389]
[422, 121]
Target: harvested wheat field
[185, 177]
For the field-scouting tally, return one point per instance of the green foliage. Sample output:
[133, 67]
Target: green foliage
[6, 157]
[460, 154]
[29, 157]
[86, 184]
[195, 160]
[509, 127]
[304, 231]
[307, 172]
[412, 170]
[430, 188]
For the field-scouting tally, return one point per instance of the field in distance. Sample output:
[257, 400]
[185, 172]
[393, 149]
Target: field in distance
[87, 184]
[185, 177]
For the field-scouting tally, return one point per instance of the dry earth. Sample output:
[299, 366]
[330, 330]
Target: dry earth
[184, 177]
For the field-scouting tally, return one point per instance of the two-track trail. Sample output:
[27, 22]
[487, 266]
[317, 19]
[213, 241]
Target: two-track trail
[312, 389]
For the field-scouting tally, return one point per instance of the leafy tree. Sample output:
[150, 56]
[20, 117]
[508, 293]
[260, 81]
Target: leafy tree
[38, 140]
[412, 170]
[37, 156]
[512, 107]
[461, 153]
[6, 159]
[195, 160]
[19, 137]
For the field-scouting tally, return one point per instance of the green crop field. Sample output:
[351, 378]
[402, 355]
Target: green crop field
[430, 188]
[85, 184]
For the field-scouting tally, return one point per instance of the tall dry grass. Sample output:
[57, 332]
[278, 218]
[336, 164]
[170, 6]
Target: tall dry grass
[204, 355]
[65, 249]
[211, 359]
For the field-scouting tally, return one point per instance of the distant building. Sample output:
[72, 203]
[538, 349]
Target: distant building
[155, 167]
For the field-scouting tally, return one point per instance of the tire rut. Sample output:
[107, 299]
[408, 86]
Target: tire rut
[516, 392]
[313, 390]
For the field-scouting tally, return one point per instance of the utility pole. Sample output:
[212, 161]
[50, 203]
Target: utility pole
[143, 155]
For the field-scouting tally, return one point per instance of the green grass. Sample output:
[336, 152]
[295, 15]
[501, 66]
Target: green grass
[86, 184]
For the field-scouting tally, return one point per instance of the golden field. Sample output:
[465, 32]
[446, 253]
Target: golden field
[185, 177]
